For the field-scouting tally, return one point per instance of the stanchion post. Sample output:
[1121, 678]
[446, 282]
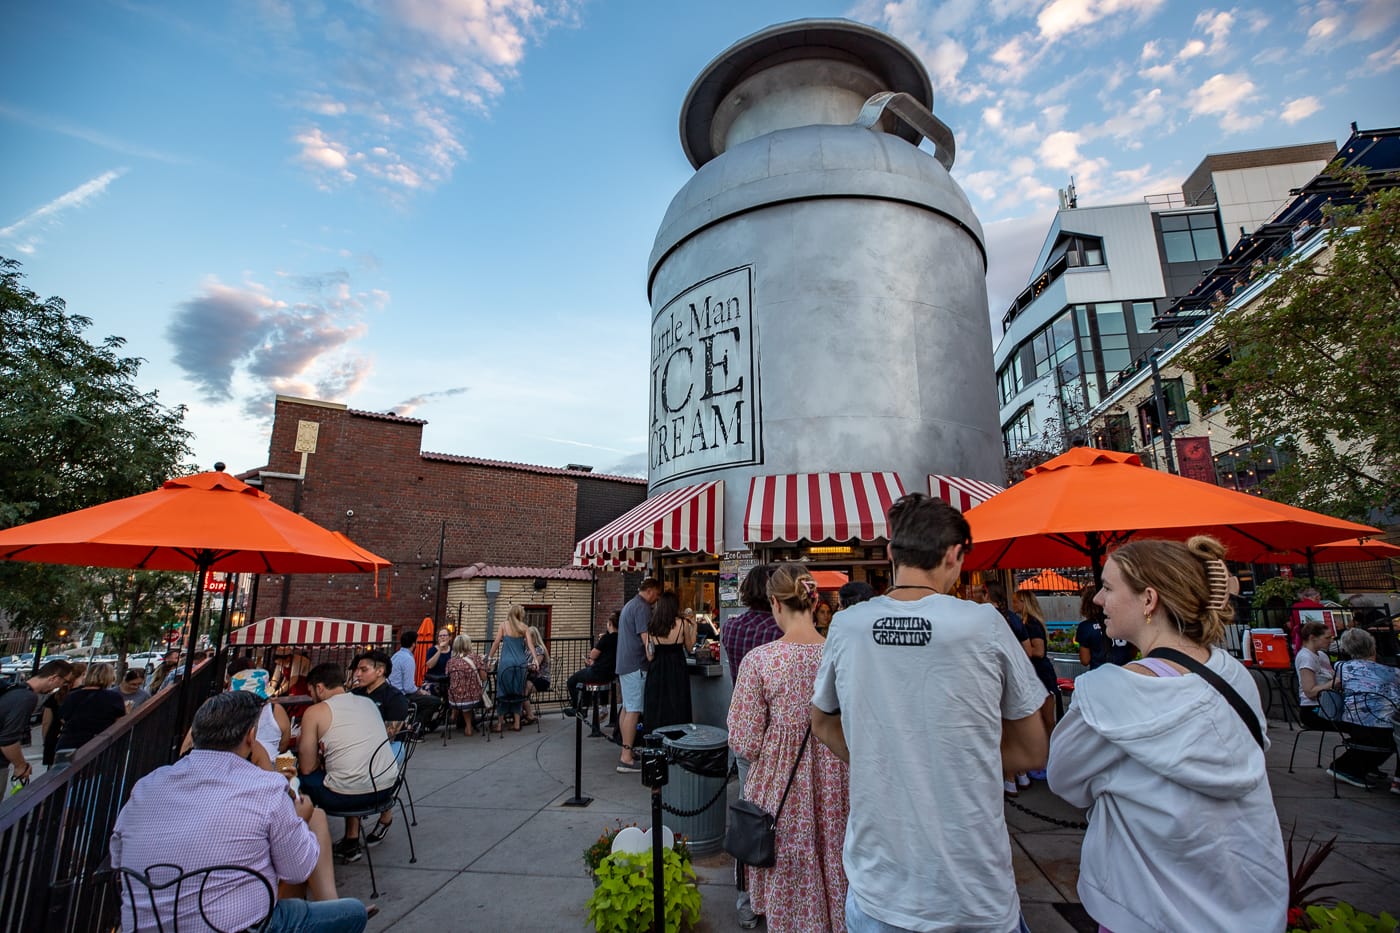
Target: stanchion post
[578, 800]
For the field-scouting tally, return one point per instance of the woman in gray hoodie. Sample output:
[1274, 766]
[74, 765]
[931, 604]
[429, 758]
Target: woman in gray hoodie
[1182, 829]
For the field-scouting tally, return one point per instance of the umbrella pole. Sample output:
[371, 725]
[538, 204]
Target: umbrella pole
[1312, 574]
[1095, 557]
[186, 687]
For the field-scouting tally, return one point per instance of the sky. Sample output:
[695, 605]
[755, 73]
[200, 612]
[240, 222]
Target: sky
[444, 208]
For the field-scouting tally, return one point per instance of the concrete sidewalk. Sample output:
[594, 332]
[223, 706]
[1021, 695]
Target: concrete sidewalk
[498, 851]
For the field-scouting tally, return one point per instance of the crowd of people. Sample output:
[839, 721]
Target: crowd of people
[1163, 742]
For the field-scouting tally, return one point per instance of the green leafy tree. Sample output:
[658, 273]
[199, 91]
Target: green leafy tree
[75, 431]
[1313, 365]
[137, 606]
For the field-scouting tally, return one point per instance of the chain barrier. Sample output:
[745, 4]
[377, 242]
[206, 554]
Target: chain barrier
[1067, 824]
[687, 814]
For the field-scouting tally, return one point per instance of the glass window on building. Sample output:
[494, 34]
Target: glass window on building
[1247, 468]
[1109, 315]
[1116, 433]
[1020, 430]
[1177, 412]
[1191, 238]
[1143, 313]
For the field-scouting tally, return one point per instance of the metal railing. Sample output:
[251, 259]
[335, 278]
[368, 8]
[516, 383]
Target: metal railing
[54, 833]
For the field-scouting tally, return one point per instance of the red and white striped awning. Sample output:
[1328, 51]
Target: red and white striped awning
[817, 507]
[689, 519]
[961, 493]
[284, 630]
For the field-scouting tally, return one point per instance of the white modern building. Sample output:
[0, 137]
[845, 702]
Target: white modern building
[1104, 274]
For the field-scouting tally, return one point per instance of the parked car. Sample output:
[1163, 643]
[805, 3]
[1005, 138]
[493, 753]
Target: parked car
[144, 659]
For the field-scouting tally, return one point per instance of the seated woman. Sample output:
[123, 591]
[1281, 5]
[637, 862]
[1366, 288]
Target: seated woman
[1369, 719]
[537, 681]
[1314, 672]
[435, 665]
[466, 679]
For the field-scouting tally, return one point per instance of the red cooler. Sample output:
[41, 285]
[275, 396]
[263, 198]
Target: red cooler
[1270, 649]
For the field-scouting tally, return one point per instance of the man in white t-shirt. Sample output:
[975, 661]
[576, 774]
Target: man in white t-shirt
[941, 699]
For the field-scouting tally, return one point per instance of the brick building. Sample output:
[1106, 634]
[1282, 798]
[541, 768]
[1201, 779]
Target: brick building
[365, 474]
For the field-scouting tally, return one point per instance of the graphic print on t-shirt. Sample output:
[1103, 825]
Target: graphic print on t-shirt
[902, 631]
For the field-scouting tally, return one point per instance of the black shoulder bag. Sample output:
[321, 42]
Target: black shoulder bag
[751, 835]
[1215, 680]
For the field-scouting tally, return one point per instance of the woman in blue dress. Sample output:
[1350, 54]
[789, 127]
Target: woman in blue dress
[511, 653]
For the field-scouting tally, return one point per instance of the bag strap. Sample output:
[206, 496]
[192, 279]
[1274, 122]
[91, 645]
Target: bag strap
[792, 774]
[1215, 680]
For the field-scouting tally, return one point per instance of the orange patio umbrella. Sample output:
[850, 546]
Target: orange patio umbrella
[830, 579]
[427, 637]
[1345, 551]
[204, 522]
[1071, 510]
[1050, 581]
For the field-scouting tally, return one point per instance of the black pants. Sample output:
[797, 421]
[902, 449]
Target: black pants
[429, 709]
[583, 676]
[1356, 762]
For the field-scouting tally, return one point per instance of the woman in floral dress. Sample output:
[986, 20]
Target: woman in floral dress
[768, 717]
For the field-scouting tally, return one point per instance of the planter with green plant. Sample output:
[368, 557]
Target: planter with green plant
[622, 900]
[601, 848]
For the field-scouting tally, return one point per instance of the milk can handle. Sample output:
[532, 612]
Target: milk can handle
[915, 116]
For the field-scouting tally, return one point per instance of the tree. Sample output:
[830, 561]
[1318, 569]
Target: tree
[75, 431]
[1313, 365]
[136, 607]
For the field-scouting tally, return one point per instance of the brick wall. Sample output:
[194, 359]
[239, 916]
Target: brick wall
[373, 465]
[568, 602]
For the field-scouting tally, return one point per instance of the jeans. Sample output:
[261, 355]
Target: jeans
[345, 915]
[314, 786]
[858, 921]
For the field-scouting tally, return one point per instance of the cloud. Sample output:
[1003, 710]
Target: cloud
[631, 465]
[1223, 96]
[1059, 18]
[1191, 49]
[63, 128]
[27, 232]
[411, 72]
[1061, 149]
[213, 332]
[231, 339]
[409, 405]
[1300, 109]
[1151, 51]
[1159, 74]
[1382, 60]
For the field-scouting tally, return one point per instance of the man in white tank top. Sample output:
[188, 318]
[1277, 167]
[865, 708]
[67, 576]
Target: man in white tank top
[344, 754]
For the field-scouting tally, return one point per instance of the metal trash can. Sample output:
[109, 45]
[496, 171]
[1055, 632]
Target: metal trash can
[699, 770]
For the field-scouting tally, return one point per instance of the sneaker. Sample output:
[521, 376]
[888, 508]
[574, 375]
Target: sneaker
[1037, 775]
[1010, 788]
[1346, 778]
[629, 767]
[747, 918]
[375, 836]
[1023, 779]
[348, 850]
[570, 713]
[1395, 787]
